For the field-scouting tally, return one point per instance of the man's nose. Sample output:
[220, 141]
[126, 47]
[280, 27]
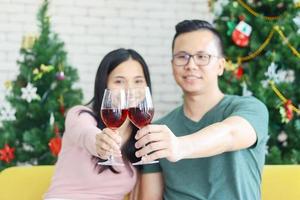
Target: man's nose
[191, 65]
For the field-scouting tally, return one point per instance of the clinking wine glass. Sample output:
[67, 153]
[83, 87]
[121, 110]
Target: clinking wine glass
[113, 113]
[140, 110]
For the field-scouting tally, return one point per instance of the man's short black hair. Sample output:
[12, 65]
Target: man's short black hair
[196, 25]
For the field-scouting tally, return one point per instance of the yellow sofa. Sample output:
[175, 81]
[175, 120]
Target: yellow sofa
[280, 182]
[25, 183]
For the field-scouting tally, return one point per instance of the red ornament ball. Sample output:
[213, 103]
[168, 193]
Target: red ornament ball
[55, 145]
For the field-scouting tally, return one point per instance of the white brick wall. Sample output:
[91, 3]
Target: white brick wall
[91, 28]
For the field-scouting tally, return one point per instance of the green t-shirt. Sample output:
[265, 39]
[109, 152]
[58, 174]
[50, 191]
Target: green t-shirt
[227, 176]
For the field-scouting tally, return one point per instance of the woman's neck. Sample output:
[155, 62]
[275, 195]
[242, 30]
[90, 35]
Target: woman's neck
[195, 106]
[125, 131]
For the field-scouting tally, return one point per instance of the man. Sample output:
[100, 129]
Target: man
[213, 146]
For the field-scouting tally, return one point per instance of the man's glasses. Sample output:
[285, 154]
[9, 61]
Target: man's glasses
[200, 59]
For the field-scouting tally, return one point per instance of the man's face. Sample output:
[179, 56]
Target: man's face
[193, 78]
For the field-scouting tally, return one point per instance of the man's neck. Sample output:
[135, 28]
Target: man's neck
[195, 106]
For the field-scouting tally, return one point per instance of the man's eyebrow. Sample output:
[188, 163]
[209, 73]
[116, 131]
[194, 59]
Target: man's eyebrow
[181, 52]
[201, 52]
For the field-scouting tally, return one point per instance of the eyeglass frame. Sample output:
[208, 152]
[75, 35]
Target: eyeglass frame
[192, 56]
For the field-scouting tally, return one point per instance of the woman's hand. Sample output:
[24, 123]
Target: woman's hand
[158, 141]
[108, 142]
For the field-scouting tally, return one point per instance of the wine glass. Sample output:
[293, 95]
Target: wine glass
[140, 110]
[113, 113]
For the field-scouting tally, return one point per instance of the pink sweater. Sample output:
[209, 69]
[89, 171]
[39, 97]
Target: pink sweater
[75, 176]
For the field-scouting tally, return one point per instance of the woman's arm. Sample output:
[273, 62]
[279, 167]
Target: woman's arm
[134, 194]
[81, 129]
[151, 186]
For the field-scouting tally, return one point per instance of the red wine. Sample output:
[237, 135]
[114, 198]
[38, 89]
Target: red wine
[140, 117]
[113, 118]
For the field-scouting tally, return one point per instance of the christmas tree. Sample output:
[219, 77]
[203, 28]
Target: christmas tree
[32, 119]
[262, 48]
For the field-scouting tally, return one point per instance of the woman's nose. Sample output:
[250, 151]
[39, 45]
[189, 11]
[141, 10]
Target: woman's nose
[125, 85]
[130, 84]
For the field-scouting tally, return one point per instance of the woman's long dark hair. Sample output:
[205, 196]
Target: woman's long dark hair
[107, 65]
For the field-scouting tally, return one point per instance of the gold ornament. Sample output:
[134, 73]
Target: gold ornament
[229, 66]
[286, 41]
[256, 14]
[46, 68]
[283, 98]
[28, 41]
[39, 72]
[8, 85]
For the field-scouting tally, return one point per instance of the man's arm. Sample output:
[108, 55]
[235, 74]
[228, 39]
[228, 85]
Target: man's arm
[231, 134]
[151, 186]
[234, 133]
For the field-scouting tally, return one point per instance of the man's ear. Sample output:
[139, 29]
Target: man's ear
[222, 63]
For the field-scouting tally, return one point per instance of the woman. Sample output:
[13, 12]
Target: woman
[86, 141]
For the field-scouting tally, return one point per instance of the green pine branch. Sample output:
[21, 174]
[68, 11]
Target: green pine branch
[32, 130]
[278, 52]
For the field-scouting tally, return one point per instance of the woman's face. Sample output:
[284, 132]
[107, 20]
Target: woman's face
[128, 74]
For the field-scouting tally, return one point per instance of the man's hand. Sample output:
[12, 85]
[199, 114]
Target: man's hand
[157, 141]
